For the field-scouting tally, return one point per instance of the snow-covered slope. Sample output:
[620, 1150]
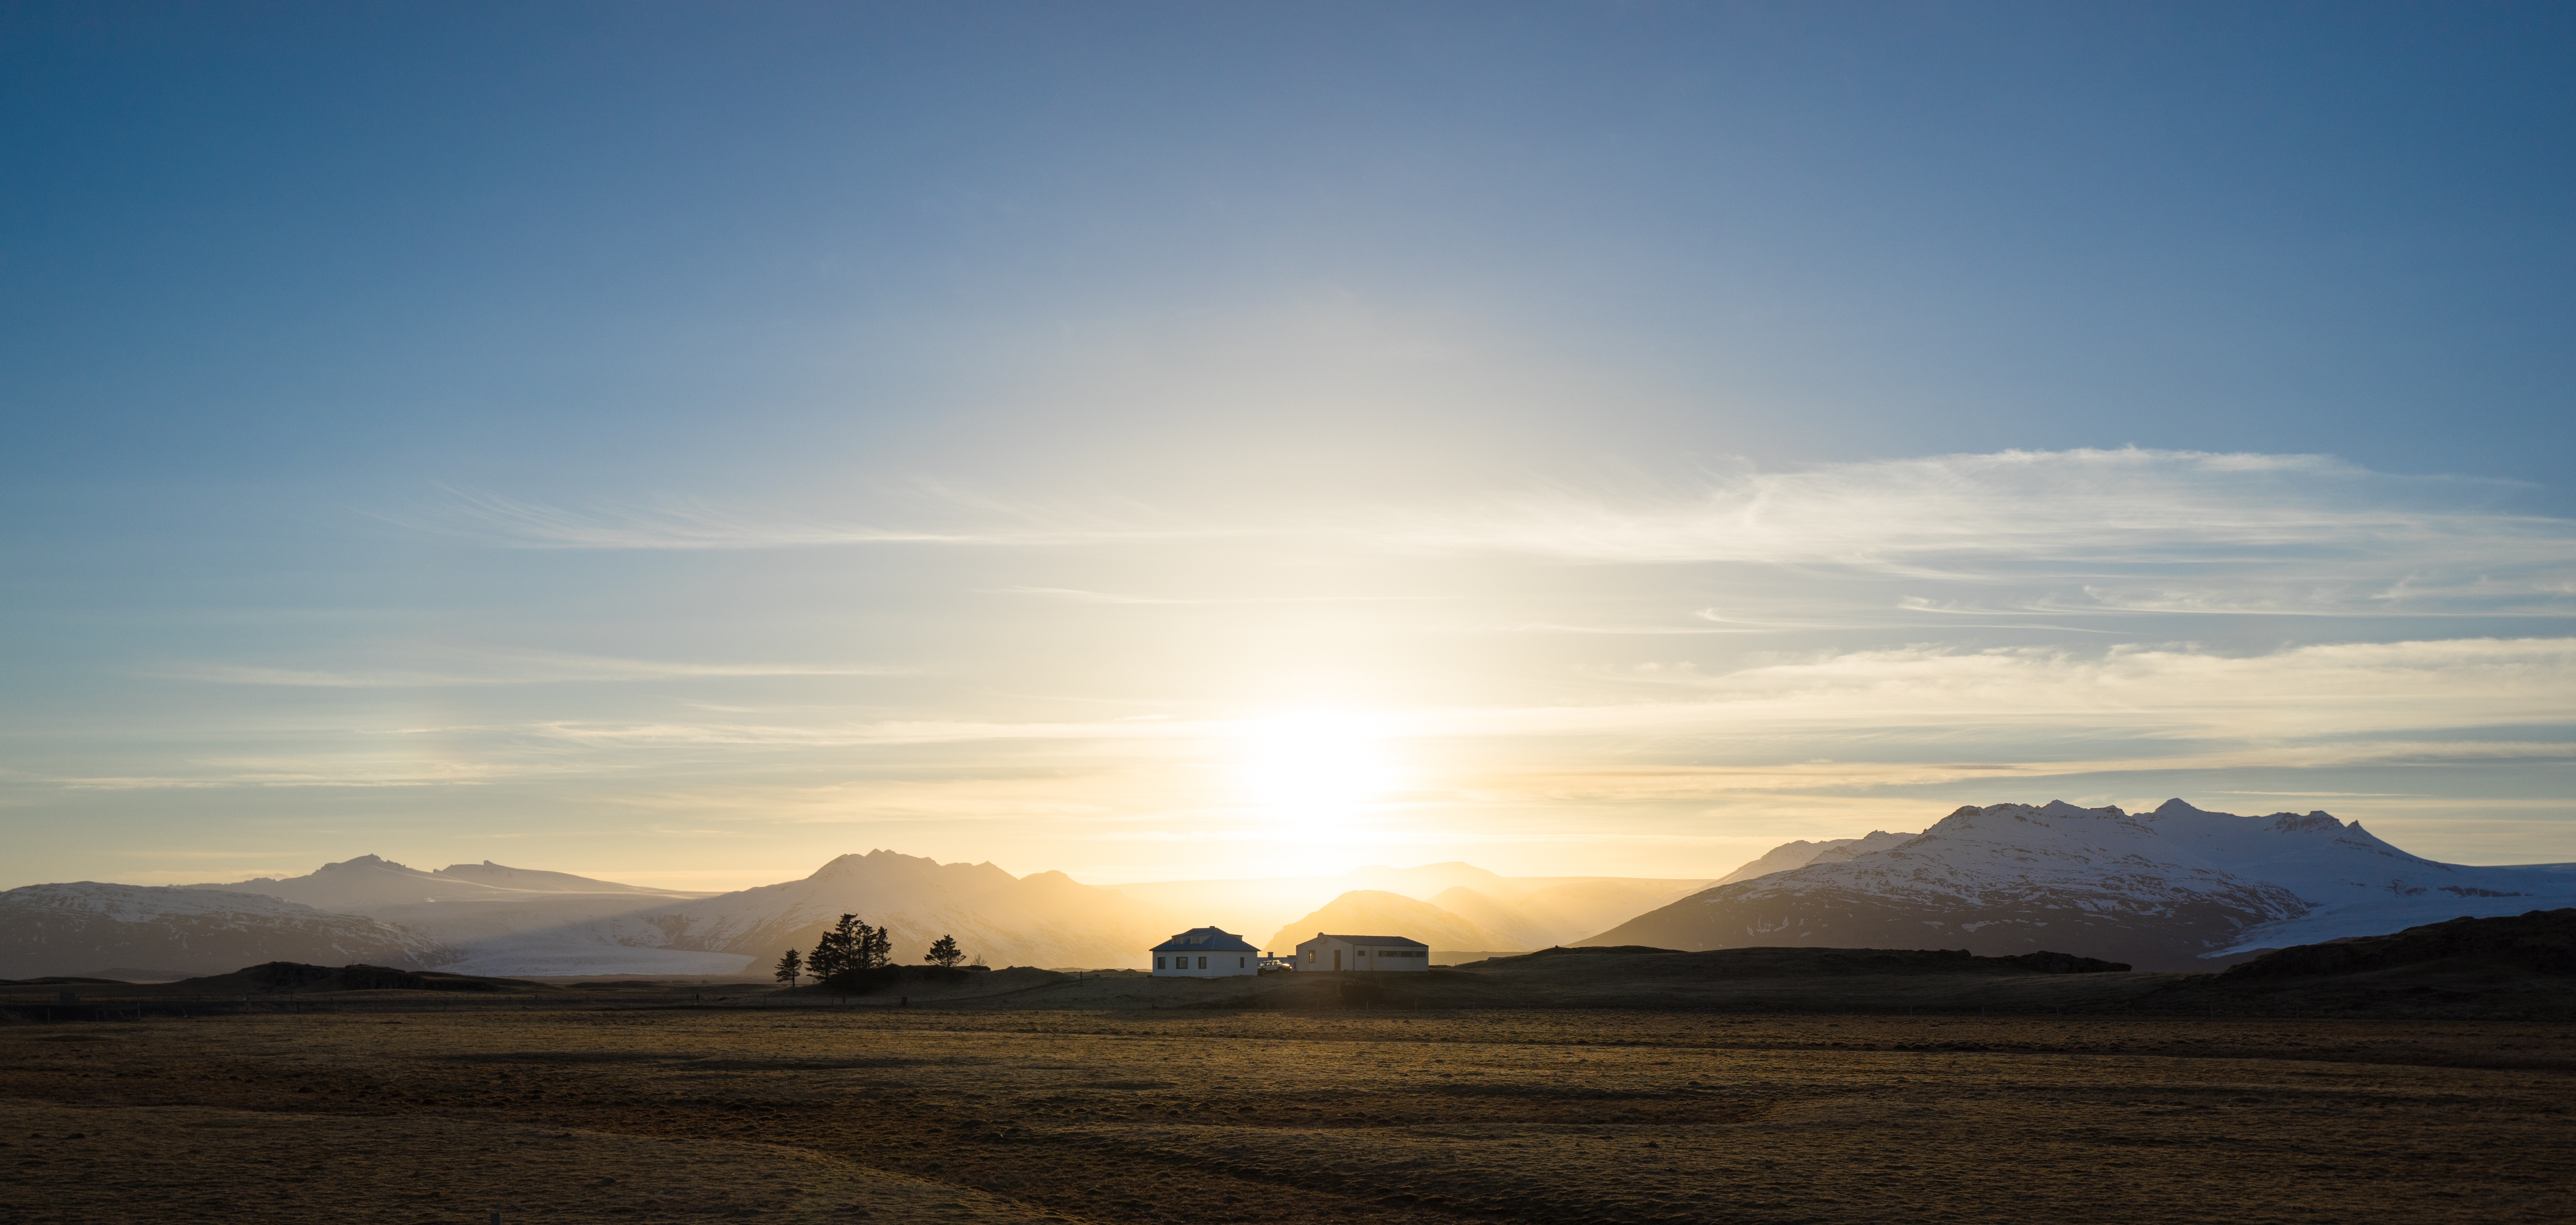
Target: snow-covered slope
[1044, 919]
[469, 904]
[1790, 856]
[85, 926]
[2161, 890]
[534, 880]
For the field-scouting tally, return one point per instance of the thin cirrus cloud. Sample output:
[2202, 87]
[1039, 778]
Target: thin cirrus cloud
[1918, 716]
[2092, 505]
[489, 518]
[2409, 692]
[2003, 534]
[2076, 532]
[2172, 692]
[501, 669]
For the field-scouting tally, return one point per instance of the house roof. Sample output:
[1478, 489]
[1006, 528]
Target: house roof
[1402, 941]
[1205, 940]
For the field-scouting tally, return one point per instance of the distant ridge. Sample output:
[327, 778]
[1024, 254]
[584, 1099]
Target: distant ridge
[81, 927]
[2171, 889]
[371, 881]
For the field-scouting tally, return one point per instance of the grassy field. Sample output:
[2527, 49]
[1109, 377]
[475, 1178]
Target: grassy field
[1206, 1115]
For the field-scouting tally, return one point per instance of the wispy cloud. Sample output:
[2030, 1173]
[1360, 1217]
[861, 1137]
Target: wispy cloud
[502, 669]
[2126, 505]
[2066, 532]
[2169, 691]
[1072, 595]
[2127, 531]
[695, 523]
[2164, 705]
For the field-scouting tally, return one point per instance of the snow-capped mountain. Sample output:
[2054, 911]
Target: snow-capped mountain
[370, 881]
[471, 906]
[1790, 856]
[83, 927]
[2162, 890]
[1044, 919]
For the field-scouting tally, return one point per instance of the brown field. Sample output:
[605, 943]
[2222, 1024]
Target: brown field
[1199, 1115]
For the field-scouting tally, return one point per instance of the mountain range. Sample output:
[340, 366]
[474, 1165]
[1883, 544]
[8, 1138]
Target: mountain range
[490, 918]
[2177, 888]
[146, 931]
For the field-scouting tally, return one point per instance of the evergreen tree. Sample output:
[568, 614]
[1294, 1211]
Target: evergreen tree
[790, 966]
[944, 954]
[819, 962]
[878, 944]
[838, 951]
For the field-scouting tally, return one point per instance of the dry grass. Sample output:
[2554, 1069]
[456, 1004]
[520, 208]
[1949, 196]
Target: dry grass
[1558, 1116]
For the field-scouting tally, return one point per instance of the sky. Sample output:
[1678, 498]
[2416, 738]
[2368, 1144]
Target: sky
[682, 443]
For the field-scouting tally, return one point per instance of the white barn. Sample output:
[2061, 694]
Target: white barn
[1373, 953]
[1205, 952]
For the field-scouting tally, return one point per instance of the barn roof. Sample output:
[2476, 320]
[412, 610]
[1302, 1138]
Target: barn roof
[1205, 940]
[1403, 941]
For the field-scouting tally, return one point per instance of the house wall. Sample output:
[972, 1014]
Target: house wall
[1318, 955]
[1219, 964]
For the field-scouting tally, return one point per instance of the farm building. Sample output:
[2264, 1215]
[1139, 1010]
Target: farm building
[1327, 952]
[1205, 952]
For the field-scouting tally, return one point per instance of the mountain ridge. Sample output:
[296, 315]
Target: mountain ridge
[76, 927]
[2169, 889]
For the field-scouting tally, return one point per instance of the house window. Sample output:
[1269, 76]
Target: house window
[1202, 963]
[1158, 963]
[1241, 962]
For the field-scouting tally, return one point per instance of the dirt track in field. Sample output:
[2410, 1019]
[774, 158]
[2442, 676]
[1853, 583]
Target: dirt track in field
[1554, 1116]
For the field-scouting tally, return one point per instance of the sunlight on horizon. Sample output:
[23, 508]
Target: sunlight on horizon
[1315, 770]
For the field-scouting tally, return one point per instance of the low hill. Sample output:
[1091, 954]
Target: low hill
[295, 978]
[2516, 966]
[2539, 941]
[2519, 967]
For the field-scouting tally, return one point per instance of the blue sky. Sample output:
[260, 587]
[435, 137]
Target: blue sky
[685, 443]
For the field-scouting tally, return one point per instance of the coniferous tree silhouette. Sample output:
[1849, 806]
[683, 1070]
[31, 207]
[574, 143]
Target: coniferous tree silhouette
[944, 954]
[878, 946]
[840, 949]
[790, 965]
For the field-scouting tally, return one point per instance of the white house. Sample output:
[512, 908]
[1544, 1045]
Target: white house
[1326, 952]
[1205, 952]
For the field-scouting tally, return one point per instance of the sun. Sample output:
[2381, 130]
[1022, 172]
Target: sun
[1316, 764]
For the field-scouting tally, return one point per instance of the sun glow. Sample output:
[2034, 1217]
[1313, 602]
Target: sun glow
[1317, 764]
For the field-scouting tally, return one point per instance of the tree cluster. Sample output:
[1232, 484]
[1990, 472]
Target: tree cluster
[857, 957]
[850, 947]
